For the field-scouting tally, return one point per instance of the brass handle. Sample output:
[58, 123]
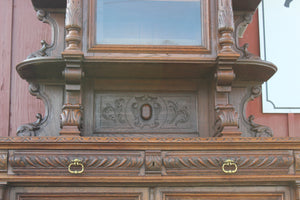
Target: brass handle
[229, 163]
[74, 163]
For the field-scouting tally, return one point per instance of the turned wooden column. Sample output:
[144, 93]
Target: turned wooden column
[226, 117]
[71, 116]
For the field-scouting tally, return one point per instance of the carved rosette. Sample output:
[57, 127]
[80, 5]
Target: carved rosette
[227, 121]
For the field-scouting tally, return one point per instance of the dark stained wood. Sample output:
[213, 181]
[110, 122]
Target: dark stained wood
[243, 5]
[53, 4]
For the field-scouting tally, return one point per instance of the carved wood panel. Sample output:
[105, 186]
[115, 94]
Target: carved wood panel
[155, 162]
[150, 112]
[94, 162]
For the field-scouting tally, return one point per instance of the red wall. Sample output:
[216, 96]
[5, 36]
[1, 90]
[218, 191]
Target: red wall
[20, 33]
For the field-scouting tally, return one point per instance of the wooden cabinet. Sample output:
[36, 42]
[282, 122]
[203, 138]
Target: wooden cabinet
[153, 122]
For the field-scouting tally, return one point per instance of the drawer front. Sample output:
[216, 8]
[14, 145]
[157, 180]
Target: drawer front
[152, 162]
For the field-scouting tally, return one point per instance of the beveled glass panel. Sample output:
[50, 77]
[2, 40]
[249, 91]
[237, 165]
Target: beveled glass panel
[149, 22]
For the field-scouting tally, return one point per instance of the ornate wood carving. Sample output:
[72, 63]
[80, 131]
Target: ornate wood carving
[227, 121]
[53, 162]
[3, 161]
[226, 28]
[31, 129]
[241, 23]
[46, 48]
[153, 162]
[205, 163]
[73, 25]
[123, 111]
[71, 116]
[252, 129]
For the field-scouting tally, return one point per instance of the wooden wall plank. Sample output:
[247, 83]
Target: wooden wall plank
[28, 31]
[6, 9]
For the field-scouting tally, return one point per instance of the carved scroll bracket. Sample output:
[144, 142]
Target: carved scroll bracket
[31, 129]
[46, 48]
[227, 121]
[248, 126]
[241, 23]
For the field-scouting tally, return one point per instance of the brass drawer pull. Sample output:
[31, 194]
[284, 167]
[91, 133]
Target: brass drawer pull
[75, 163]
[229, 164]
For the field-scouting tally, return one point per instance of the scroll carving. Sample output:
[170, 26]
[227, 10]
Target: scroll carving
[46, 48]
[252, 129]
[162, 112]
[241, 24]
[31, 129]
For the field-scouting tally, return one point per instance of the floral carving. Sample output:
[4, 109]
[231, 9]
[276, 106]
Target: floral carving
[71, 116]
[115, 112]
[180, 115]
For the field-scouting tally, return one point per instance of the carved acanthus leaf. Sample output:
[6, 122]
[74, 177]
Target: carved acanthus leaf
[259, 130]
[71, 116]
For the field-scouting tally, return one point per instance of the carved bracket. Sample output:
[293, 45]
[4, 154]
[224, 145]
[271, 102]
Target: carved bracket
[252, 129]
[226, 121]
[31, 129]
[224, 78]
[241, 23]
[46, 48]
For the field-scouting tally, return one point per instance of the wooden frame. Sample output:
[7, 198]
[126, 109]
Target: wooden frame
[205, 48]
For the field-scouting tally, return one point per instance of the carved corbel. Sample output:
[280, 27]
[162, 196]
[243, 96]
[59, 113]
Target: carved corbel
[46, 48]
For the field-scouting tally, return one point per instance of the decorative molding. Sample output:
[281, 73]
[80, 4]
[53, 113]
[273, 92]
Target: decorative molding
[277, 162]
[93, 162]
[11, 141]
[31, 129]
[152, 112]
[252, 129]
[226, 121]
[3, 161]
[46, 48]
